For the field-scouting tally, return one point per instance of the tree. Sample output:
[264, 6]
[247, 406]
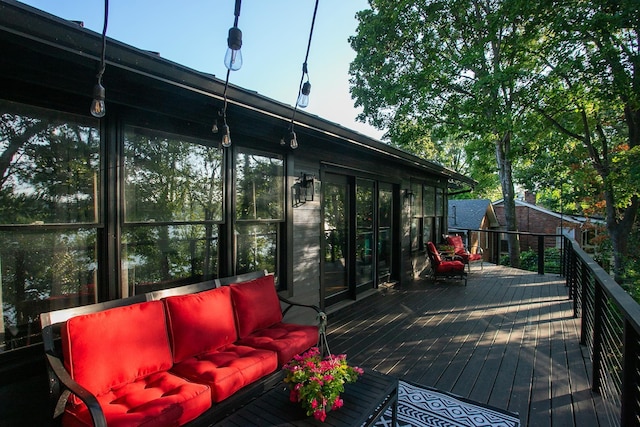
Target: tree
[589, 90]
[450, 66]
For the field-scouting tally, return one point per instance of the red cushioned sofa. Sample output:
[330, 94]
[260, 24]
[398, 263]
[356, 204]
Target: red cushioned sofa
[167, 357]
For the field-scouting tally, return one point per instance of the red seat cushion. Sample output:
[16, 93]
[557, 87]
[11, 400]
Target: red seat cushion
[475, 257]
[160, 399]
[256, 305]
[200, 322]
[449, 266]
[286, 339]
[227, 369]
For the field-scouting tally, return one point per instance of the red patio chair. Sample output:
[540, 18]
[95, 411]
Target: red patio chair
[461, 252]
[441, 268]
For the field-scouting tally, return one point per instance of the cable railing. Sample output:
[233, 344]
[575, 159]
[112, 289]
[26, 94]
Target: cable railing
[610, 329]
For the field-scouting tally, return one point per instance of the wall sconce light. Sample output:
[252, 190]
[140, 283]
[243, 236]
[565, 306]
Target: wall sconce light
[304, 189]
[408, 194]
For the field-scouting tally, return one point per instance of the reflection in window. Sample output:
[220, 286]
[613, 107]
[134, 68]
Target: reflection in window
[417, 242]
[158, 257]
[364, 231]
[43, 271]
[257, 244]
[50, 174]
[169, 180]
[259, 187]
[259, 201]
[385, 231]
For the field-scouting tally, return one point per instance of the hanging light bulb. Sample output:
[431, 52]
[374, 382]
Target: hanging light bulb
[98, 109]
[233, 57]
[303, 98]
[214, 128]
[293, 140]
[226, 136]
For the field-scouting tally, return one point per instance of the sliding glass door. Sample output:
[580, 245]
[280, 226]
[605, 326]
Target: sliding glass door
[336, 237]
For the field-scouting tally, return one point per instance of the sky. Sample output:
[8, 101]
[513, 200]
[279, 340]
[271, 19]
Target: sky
[275, 34]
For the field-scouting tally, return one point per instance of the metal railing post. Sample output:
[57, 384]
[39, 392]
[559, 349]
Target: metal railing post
[629, 386]
[540, 254]
[584, 283]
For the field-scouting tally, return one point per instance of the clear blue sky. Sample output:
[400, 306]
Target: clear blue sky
[275, 35]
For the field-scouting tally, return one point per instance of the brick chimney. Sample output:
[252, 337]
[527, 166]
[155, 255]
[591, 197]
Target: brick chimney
[530, 197]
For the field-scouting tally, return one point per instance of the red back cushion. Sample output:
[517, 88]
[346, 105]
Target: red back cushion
[200, 322]
[436, 255]
[256, 304]
[114, 347]
[456, 242]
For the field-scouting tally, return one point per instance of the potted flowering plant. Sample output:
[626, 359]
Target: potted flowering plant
[317, 382]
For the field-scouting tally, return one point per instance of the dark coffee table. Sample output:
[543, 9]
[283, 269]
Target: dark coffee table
[364, 402]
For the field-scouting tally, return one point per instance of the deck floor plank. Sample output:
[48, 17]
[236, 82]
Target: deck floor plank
[507, 339]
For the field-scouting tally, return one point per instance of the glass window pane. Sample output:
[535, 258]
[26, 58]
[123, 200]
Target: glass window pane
[256, 247]
[335, 197]
[42, 271]
[416, 203]
[364, 231]
[171, 178]
[385, 231]
[439, 202]
[159, 257]
[50, 171]
[429, 201]
[427, 232]
[259, 187]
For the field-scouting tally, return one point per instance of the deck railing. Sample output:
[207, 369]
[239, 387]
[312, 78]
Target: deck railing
[610, 331]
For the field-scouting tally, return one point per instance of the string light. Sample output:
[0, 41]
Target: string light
[233, 62]
[304, 88]
[98, 108]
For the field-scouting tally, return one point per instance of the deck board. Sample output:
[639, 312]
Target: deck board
[507, 339]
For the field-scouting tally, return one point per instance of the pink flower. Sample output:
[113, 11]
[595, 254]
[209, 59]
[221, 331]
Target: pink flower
[337, 404]
[293, 396]
[314, 404]
[320, 415]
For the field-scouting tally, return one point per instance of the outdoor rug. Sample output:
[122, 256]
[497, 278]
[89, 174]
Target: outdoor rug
[422, 406]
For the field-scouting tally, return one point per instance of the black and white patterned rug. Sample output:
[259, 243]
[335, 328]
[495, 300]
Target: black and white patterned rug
[420, 406]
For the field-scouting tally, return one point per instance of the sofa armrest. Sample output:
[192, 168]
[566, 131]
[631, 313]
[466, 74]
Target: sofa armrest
[58, 369]
[292, 304]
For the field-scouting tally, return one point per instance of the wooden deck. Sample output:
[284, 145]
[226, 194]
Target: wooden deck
[507, 339]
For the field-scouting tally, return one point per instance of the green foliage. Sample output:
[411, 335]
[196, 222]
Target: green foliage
[529, 260]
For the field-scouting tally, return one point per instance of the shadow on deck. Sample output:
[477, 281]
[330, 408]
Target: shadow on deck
[508, 339]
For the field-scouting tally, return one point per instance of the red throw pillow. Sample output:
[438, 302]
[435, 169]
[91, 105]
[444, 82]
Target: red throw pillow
[200, 322]
[256, 304]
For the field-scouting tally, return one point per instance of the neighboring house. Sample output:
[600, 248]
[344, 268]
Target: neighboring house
[465, 216]
[538, 220]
